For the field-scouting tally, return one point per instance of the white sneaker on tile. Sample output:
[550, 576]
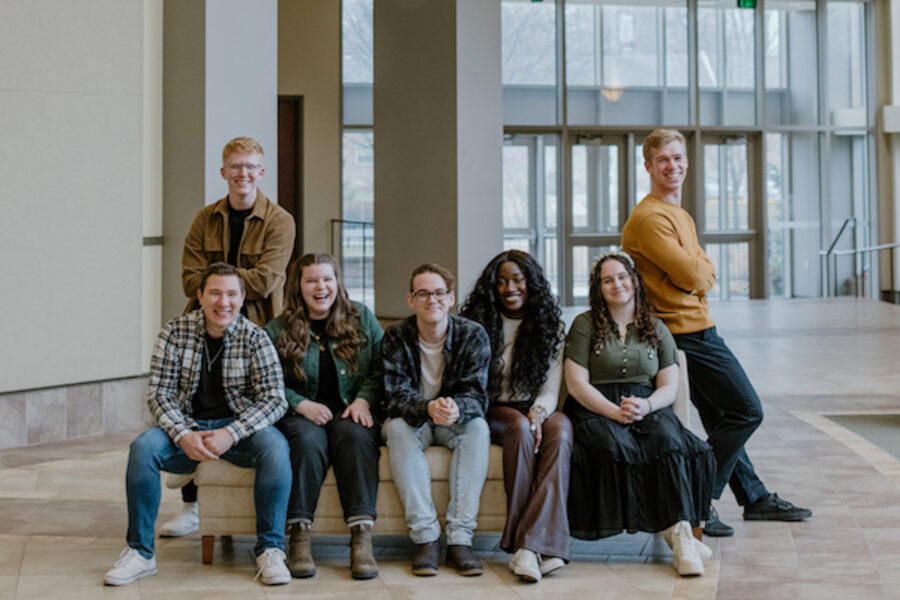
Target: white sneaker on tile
[272, 567]
[524, 563]
[131, 566]
[549, 564]
[685, 558]
[185, 522]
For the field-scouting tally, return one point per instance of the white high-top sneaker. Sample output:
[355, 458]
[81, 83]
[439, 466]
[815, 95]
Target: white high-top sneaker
[685, 557]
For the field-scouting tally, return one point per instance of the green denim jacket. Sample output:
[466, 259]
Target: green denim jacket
[366, 381]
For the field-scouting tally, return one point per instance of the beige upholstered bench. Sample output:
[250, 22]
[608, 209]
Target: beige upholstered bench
[225, 492]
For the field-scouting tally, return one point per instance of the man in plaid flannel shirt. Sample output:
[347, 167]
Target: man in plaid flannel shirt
[216, 388]
[435, 380]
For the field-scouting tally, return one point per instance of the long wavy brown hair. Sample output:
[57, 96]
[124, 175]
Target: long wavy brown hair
[342, 325]
[604, 325]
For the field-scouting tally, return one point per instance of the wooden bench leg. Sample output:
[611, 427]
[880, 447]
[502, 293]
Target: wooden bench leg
[698, 533]
[207, 542]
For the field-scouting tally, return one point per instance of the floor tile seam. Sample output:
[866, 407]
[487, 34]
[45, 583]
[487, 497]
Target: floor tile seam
[91, 458]
[869, 452]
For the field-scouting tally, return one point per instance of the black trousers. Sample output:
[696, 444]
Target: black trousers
[729, 409]
[351, 448]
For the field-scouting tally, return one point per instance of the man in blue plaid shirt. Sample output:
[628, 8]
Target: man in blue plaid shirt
[216, 388]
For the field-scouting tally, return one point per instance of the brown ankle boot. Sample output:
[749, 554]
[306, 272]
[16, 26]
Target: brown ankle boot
[362, 560]
[300, 560]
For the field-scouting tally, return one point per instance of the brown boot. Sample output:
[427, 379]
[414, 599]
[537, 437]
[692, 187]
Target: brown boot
[461, 558]
[362, 560]
[425, 562]
[300, 560]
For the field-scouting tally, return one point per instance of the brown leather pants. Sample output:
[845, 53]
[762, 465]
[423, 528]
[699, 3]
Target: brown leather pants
[537, 485]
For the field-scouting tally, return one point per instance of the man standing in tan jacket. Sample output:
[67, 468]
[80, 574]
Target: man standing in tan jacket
[661, 237]
[249, 231]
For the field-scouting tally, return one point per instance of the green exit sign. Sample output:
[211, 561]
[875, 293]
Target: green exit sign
[746, 3]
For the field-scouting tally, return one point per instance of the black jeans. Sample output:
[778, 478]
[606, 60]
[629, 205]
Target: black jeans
[729, 409]
[351, 448]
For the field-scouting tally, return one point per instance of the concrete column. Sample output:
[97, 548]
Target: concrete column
[220, 82]
[438, 142]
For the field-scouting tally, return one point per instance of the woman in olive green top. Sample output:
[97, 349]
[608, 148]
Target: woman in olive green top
[330, 350]
[634, 466]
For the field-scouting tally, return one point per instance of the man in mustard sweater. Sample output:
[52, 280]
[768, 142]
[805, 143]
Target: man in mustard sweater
[662, 239]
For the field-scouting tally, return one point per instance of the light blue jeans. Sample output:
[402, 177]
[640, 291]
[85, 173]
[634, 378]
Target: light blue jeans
[470, 443]
[152, 451]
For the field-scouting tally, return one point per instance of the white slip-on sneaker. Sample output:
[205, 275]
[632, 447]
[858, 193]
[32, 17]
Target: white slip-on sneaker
[272, 567]
[185, 522]
[549, 564]
[131, 566]
[684, 554]
[524, 563]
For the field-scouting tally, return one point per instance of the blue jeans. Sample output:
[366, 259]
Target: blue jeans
[729, 409]
[152, 451]
[470, 443]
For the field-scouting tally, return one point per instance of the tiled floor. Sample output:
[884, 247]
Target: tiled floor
[62, 513]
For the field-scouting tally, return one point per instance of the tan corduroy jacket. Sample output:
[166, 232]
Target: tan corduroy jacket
[263, 254]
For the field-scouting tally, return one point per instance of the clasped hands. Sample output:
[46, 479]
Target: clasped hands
[631, 409]
[443, 411]
[318, 413]
[206, 445]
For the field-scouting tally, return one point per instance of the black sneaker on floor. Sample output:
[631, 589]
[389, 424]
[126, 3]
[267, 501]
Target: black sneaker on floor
[773, 508]
[716, 528]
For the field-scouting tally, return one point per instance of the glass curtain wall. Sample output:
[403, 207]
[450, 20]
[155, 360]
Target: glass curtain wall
[353, 237]
[774, 103]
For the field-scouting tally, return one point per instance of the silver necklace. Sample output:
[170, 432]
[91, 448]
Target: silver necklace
[211, 361]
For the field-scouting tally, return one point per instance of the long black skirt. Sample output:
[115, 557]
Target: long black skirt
[645, 476]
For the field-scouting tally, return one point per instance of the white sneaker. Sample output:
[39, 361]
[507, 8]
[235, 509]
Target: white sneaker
[130, 567]
[273, 569]
[524, 563]
[185, 522]
[549, 564]
[702, 550]
[685, 558]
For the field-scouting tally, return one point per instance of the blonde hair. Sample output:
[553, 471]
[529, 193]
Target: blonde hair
[661, 137]
[241, 144]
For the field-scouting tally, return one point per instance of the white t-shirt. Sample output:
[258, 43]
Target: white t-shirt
[549, 394]
[431, 356]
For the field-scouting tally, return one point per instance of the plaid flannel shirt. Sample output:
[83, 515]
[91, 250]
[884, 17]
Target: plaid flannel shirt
[467, 355]
[251, 376]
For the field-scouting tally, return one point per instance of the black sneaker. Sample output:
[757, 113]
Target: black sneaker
[773, 508]
[716, 528]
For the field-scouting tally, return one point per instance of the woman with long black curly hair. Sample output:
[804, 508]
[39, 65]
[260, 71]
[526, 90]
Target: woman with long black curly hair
[635, 467]
[513, 301]
[330, 351]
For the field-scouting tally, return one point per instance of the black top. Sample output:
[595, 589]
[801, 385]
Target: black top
[209, 400]
[328, 392]
[236, 227]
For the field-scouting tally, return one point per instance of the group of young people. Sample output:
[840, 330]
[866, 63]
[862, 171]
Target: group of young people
[322, 386]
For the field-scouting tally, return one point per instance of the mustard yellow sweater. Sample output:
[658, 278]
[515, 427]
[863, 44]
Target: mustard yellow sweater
[662, 239]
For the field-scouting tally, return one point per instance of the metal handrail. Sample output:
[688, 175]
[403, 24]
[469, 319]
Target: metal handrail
[869, 249]
[340, 256]
[825, 265]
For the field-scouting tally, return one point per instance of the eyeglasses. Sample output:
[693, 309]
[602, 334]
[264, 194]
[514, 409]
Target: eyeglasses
[423, 295]
[236, 167]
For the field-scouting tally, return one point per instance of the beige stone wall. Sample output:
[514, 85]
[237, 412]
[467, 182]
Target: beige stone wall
[309, 65]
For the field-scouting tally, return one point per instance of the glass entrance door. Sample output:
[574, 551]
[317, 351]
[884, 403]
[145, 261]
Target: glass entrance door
[597, 205]
[728, 214]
